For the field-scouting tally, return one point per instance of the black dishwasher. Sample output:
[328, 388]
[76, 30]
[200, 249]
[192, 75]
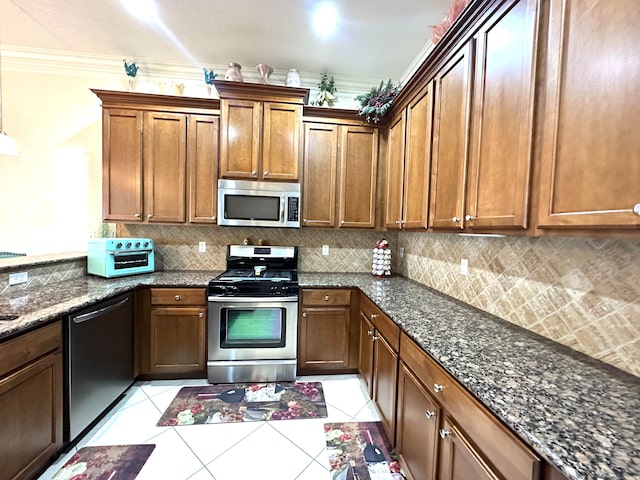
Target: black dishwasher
[98, 361]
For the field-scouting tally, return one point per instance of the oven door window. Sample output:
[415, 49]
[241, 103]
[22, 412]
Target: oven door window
[252, 207]
[252, 328]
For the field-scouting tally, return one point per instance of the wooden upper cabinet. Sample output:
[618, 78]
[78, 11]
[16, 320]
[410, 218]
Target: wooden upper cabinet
[122, 165]
[202, 165]
[358, 166]
[165, 150]
[395, 173]
[590, 156]
[281, 147]
[450, 144]
[319, 181]
[409, 165]
[260, 131]
[241, 124]
[501, 142]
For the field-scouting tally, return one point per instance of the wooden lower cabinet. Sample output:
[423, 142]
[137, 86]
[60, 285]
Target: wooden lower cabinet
[171, 333]
[417, 427]
[30, 402]
[365, 367]
[326, 332]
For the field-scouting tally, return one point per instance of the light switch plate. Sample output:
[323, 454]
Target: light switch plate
[202, 247]
[464, 266]
[325, 250]
[16, 278]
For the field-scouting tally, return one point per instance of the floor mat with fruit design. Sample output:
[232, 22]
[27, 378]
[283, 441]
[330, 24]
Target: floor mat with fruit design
[121, 462]
[227, 403]
[360, 451]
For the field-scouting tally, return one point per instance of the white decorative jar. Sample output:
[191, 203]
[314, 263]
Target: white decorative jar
[293, 78]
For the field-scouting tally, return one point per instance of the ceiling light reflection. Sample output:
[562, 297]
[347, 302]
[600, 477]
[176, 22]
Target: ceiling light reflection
[325, 19]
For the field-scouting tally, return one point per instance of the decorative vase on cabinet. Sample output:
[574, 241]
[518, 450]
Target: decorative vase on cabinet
[234, 73]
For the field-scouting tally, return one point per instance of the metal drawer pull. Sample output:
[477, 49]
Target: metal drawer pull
[369, 332]
[455, 219]
[374, 316]
[200, 315]
[374, 338]
[304, 314]
[636, 209]
[429, 414]
[445, 433]
[177, 298]
[437, 387]
[468, 218]
[326, 298]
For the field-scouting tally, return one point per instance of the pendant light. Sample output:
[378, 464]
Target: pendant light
[7, 145]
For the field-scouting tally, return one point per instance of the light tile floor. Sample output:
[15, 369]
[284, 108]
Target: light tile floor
[282, 450]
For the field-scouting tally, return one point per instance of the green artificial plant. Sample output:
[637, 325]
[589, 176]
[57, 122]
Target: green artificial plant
[377, 102]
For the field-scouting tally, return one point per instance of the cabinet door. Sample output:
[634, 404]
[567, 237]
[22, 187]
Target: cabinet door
[590, 158]
[282, 124]
[417, 427]
[385, 376]
[122, 165]
[365, 365]
[319, 175]
[202, 158]
[178, 340]
[395, 173]
[417, 161]
[451, 131]
[240, 137]
[458, 458]
[324, 338]
[165, 154]
[31, 420]
[500, 163]
[358, 166]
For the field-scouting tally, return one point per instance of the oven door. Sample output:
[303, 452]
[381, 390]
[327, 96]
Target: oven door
[252, 328]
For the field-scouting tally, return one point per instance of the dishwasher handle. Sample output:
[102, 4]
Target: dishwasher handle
[85, 317]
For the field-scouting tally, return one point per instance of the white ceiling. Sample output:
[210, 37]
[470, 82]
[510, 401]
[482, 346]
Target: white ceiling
[375, 39]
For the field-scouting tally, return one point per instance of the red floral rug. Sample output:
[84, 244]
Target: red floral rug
[228, 403]
[360, 451]
[116, 462]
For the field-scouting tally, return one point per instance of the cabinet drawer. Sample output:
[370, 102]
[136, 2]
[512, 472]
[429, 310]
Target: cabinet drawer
[25, 348]
[499, 445]
[385, 326]
[178, 296]
[326, 297]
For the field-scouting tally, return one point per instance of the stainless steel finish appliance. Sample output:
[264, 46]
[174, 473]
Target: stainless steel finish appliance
[258, 204]
[98, 360]
[253, 316]
[117, 257]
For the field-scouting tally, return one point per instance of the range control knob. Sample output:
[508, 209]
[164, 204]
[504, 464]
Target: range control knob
[145, 244]
[128, 245]
[137, 244]
[119, 245]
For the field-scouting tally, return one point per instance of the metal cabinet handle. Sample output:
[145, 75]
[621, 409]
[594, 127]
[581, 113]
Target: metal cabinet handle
[137, 215]
[253, 172]
[370, 332]
[326, 298]
[304, 220]
[213, 218]
[304, 314]
[200, 315]
[429, 414]
[468, 218]
[177, 298]
[341, 222]
[445, 433]
[437, 387]
[374, 316]
[149, 216]
[636, 209]
[374, 338]
[455, 219]
[265, 173]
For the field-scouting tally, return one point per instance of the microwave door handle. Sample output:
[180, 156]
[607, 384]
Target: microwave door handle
[282, 204]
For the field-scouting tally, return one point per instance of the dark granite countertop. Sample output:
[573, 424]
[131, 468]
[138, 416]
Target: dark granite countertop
[580, 414]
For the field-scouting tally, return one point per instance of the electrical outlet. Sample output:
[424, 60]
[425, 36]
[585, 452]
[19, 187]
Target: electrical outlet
[16, 278]
[464, 266]
[202, 247]
[325, 250]
[401, 253]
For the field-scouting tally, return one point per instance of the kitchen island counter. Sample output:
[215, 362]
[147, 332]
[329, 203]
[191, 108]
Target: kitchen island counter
[579, 414]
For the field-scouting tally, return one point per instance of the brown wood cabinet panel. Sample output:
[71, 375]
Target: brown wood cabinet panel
[165, 151]
[326, 297]
[417, 160]
[590, 157]
[458, 458]
[385, 377]
[178, 296]
[450, 145]
[30, 402]
[281, 141]
[358, 171]
[178, 340]
[324, 337]
[500, 163]
[122, 165]
[240, 138]
[395, 173]
[202, 162]
[417, 428]
[365, 365]
[319, 175]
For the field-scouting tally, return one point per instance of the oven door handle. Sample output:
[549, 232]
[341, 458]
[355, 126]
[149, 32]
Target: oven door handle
[274, 299]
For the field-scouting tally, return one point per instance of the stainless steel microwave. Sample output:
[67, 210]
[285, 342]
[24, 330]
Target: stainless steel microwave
[258, 204]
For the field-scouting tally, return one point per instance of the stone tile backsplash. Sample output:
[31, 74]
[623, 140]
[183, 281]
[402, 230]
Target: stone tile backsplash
[581, 292]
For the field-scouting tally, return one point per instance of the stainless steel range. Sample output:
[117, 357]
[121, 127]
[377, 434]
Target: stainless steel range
[253, 316]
